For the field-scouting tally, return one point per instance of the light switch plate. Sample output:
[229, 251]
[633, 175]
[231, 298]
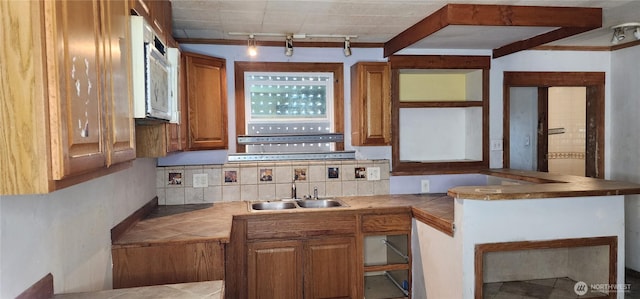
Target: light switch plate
[373, 173]
[200, 180]
[496, 144]
[424, 186]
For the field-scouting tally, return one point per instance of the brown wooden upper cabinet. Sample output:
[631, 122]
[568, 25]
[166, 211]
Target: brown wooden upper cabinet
[206, 93]
[158, 14]
[66, 113]
[370, 104]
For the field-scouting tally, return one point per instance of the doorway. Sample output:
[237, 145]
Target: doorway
[554, 122]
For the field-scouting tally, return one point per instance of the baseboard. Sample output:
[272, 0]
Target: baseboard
[120, 228]
[43, 289]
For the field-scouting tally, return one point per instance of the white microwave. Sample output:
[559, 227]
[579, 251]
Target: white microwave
[154, 94]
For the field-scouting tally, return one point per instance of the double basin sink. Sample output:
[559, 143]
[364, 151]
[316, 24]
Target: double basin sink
[288, 204]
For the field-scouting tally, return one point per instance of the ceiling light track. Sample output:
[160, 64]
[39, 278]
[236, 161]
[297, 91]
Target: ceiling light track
[619, 31]
[289, 37]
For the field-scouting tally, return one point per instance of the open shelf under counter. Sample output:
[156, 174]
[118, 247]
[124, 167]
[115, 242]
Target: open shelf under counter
[382, 286]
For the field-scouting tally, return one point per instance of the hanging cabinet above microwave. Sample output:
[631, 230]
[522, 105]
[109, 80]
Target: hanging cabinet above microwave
[66, 116]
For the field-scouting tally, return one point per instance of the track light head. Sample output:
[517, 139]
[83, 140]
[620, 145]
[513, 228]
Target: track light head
[252, 49]
[288, 45]
[619, 31]
[347, 47]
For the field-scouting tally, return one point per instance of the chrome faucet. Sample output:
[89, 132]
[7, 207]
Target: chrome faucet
[315, 192]
[293, 190]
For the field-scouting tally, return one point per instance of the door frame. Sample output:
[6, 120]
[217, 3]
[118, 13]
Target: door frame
[593, 81]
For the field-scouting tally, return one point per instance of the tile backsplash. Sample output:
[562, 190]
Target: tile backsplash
[193, 184]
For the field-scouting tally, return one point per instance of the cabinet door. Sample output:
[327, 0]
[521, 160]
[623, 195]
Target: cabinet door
[370, 104]
[117, 82]
[206, 102]
[73, 44]
[142, 8]
[329, 268]
[275, 269]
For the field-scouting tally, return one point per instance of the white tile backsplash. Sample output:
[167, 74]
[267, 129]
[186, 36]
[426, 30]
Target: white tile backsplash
[248, 185]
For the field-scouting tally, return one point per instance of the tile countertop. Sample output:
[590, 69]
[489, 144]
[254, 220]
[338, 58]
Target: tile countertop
[192, 290]
[213, 224]
[545, 185]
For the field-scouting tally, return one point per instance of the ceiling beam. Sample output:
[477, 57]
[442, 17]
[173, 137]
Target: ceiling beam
[537, 41]
[568, 20]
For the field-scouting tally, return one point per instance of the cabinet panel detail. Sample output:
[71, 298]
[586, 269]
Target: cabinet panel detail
[206, 102]
[386, 223]
[292, 227]
[330, 268]
[165, 264]
[370, 104]
[275, 269]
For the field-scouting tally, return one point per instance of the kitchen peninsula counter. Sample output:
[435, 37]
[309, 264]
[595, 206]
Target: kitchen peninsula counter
[213, 223]
[542, 185]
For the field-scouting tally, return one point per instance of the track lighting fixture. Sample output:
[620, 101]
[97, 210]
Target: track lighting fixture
[252, 49]
[347, 47]
[288, 45]
[619, 31]
[618, 36]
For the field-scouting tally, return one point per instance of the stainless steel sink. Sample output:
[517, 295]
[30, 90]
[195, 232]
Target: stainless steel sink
[319, 203]
[273, 205]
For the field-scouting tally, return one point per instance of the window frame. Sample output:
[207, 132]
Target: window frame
[240, 67]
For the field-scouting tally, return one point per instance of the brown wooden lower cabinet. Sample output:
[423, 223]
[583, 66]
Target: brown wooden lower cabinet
[330, 268]
[276, 268]
[165, 264]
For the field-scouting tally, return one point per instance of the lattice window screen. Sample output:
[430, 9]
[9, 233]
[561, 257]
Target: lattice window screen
[289, 103]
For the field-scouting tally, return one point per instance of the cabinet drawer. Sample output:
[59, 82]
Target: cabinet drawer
[386, 223]
[294, 226]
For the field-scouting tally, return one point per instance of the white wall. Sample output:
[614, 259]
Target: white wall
[547, 61]
[625, 139]
[67, 232]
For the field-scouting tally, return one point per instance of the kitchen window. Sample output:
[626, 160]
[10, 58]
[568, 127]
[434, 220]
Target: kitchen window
[288, 103]
[289, 107]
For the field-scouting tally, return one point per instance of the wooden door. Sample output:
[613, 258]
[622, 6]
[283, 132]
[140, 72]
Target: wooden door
[73, 69]
[371, 104]
[274, 269]
[329, 268]
[543, 130]
[206, 102]
[117, 82]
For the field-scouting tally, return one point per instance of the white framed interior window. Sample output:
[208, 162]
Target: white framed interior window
[289, 111]
[289, 103]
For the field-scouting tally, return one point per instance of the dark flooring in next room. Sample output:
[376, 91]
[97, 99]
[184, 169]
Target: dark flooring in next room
[554, 288]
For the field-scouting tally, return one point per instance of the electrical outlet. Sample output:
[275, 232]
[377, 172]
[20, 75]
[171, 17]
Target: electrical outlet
[496, 144]
[200, 180]
[424, 186]
[373, 173]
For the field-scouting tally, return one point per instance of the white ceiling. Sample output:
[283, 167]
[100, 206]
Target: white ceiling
[376, 21]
